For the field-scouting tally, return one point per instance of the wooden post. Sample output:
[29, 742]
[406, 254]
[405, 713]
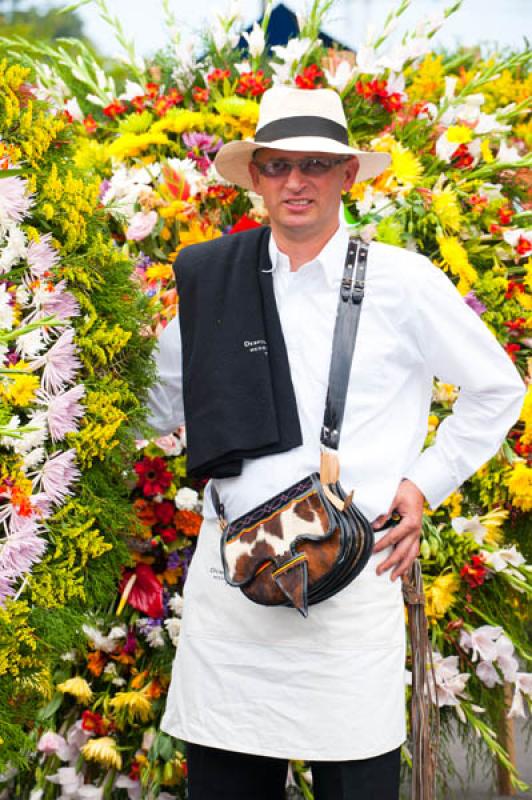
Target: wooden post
[506, 736]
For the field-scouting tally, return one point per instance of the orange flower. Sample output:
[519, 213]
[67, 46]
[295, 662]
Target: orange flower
[154, 689]
[188, 522]
[96, 662]
[139, 679]
[144, 511]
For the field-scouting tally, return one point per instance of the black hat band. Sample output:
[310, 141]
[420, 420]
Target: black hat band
[302, 126]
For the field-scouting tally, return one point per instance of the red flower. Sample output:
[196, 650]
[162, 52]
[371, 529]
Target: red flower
[114, 109]
[505, 214]
[462, 158]
[218, 75]
[524, 246]
[514, 287]
[474, 573]
[188, 522]
[392, 102]
[147, 593]
[478, 202]
[512, 350]
[90, 123]
[153, 90]
[161, 106]
[310, 78]
[139, 102]
[93, 722]
[200, 95]
[153, 477]
[495, 229]
[515, 325]
[164, 511]
[167, 534]
[253, 83]
[244, 223]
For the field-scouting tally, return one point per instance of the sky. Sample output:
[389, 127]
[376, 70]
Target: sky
[503, 23]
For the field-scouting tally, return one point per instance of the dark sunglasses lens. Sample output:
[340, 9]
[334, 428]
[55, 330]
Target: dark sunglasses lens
[276, 167]
[315, 166]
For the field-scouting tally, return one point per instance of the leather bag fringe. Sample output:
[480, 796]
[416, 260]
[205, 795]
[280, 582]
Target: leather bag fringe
[425, 717]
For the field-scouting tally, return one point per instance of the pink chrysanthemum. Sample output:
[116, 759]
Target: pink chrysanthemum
[42, 256]
[6, 590]
[19, 552]
[49, 300]
[14, 201]
[56, 475]
[60, 363]
[63, 411]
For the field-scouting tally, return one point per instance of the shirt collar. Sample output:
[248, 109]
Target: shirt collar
[331, 259]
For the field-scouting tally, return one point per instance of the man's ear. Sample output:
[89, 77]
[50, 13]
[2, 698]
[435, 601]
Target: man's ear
[350, 172]
[255, 177]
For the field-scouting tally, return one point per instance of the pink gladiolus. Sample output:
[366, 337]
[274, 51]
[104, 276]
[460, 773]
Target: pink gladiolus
[141, 225]
[14, 201]
[60, 363]
[63, 412]
[53, 744]
[42, 256]
[488, 674]
[56, 475]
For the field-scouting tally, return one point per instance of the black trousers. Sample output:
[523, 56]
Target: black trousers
[222, 775]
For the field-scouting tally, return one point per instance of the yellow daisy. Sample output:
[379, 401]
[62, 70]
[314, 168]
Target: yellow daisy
[78, 688]
[104, 751]
[135, 705]
[440, 595]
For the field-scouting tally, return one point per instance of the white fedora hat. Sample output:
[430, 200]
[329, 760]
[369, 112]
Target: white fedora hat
[301, 120]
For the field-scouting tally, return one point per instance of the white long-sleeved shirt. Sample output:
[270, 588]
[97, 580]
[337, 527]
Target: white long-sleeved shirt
[414, 326]
[263, 680]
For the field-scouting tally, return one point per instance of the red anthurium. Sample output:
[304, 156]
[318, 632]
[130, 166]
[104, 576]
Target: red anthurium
[245, 223]
[146, 594]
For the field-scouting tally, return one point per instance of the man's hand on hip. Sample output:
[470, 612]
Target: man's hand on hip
[404, 537]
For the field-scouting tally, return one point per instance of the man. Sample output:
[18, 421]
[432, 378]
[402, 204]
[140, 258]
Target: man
[256, 685]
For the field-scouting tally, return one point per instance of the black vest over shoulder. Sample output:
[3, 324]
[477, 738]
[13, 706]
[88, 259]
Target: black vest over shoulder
[238, 394]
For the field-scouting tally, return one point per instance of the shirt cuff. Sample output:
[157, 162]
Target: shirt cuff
[433, 476]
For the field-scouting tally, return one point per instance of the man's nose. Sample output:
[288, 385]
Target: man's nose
[295, 178]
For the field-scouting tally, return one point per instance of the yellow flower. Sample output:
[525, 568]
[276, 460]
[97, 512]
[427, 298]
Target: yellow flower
[427, 81]
[446, 206]
[103, 751]
[485, 150]
[78, 688]
[493, 521]
[90, 154]
[460, 134]
[132, 144]
[135, 706]
[454, 503]
[455, 257]
[519, 483]
[440, 595]
[197, 233]
[405, 168]
[526, 416]
[159, 272]
[21, 389]
[433, 422]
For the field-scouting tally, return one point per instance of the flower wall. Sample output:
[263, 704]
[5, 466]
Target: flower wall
[458, 131]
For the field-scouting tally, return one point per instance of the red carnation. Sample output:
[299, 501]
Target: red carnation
[164, 512]
[474, 573]
[153, 477]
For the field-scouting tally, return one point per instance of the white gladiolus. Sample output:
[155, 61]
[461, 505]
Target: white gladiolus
[341, 76]
[256, 40]
[472, 526]
[500, 559]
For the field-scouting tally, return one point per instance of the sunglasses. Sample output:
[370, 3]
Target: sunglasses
[313, 166]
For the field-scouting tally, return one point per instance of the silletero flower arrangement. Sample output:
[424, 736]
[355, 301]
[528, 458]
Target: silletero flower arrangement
[458, 131]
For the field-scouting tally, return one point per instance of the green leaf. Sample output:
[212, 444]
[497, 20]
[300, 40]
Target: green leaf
[48, 711]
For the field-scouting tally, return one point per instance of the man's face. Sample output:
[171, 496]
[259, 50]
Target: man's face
[302, 205]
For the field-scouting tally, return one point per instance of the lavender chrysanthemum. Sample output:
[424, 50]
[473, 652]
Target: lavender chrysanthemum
[53, 301]
[6, 590]
[60, 363]
[42, 256]
[57, 474]
[63, 411]
[14, 200]
[473, 302]
[19, 552]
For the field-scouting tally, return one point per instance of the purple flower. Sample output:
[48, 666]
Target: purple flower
[104, 186]
[42, 256]
[202, 142]
[63, 411]
[6, 590]
[20, 551]
[14, 201]
[473, 302]
[56, 475]
[131, 643]
[60, 362]
[143, 261]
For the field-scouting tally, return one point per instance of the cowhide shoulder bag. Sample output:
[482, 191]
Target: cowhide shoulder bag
[310, 540]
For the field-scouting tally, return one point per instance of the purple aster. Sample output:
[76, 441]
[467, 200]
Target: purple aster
[42, 256]
[143, 261]
[174, 559]
[473, 302]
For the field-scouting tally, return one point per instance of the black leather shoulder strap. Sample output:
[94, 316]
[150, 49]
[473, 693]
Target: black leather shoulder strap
[345, 332]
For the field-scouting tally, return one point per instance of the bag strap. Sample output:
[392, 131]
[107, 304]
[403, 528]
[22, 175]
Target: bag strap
[345, 333]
